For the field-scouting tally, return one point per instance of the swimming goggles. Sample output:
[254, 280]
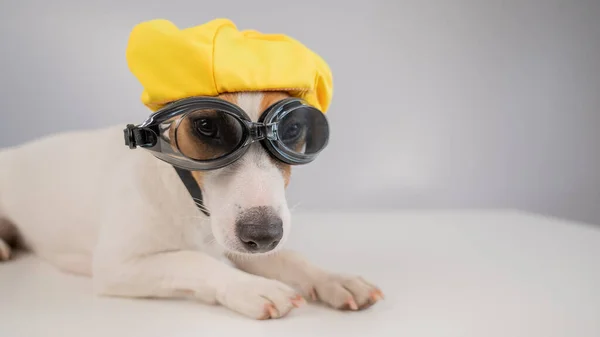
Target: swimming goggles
[207, 133]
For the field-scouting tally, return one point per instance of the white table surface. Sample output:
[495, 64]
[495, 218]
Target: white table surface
[480, 274]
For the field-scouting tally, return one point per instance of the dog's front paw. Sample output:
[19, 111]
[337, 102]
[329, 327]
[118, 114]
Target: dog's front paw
[259, 298]
[345, 292]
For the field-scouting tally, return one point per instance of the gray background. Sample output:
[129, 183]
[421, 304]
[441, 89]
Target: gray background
[438, 104]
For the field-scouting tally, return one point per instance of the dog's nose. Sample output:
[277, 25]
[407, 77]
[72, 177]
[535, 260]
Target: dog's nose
[259, 229]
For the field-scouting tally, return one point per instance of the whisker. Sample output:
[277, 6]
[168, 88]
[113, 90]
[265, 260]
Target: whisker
[295, 206]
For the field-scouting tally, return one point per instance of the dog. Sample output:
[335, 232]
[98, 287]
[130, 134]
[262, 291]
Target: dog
[88, 205]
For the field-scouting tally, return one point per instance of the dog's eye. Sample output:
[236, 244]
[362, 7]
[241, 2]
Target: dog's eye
[207, 127]
[291, 131]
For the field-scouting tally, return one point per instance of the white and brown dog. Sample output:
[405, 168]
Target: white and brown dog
[88, 205]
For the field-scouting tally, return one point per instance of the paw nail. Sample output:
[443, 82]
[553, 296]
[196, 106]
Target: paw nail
[376, 296]
[271, 310]
[298, 301]
[352, 304]
[313, 295]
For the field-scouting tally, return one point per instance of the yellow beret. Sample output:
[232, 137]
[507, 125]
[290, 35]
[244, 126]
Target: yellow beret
[216, 57]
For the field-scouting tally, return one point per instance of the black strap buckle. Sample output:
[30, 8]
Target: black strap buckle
[142, 137]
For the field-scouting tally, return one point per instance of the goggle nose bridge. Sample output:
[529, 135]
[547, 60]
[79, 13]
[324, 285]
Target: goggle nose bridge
[260, 131]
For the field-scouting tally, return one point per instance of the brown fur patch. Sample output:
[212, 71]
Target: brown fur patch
[199, 177]
[229, 97]
[270, 98]
[286, 171]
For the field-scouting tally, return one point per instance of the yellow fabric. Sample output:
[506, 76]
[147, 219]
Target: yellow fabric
[216, 57]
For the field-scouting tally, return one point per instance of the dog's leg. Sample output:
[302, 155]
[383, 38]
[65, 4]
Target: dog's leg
[338, 291]
[148, 247]
[196, 275]
[145, 252]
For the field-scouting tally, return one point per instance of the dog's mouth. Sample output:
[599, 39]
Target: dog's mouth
[244, 246]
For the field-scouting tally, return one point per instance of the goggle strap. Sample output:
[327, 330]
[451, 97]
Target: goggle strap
[192, 186]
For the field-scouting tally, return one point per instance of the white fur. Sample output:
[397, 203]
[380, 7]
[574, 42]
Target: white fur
[89, 205]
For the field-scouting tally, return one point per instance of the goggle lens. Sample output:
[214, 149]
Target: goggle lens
[303, 131]
[208, 134]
